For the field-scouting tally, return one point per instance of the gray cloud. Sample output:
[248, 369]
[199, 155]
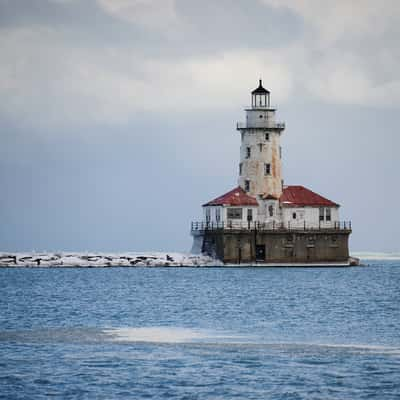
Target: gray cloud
[120, 114]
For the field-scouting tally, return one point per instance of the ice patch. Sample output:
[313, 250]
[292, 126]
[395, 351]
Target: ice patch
[376, 256]
[167, 335]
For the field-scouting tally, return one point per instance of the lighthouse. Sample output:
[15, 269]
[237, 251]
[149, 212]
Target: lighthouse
[262, 220]
[260, 168]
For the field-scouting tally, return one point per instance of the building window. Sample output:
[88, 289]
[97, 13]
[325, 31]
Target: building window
[294, 215]
[267, 137]
[321, 214]
[327, 214]
[261, 116]
[280, 152]
[234, 213]
[271, 210]
[208, 214]
[218, 214]
[267, 169]
[240, 168]
[248, 152]
[249, 214]
[247, 186]
[260, 146]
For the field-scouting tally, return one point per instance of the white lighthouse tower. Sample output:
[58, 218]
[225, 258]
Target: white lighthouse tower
[260, 169]
[261, 220]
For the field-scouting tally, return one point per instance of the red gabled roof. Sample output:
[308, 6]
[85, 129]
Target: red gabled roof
[301, 196]
[236, 197]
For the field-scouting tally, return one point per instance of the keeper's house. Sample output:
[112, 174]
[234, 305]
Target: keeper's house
[263, 221]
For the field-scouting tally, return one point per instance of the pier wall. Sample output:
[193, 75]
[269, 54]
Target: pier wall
[250, 246]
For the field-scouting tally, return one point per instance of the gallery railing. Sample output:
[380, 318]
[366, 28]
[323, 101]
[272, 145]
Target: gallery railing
[260, 124]
[271, 226]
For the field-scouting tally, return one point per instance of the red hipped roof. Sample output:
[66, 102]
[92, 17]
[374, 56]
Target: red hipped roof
[236, 197]
[301, 196]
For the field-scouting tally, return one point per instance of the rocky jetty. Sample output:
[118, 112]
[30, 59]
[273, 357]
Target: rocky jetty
[66, 259]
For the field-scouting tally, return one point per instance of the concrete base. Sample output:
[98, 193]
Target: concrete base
[276, 248]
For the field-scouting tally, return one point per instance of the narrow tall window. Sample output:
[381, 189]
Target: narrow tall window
[240, 169]
[218, 214]
[280, 152]
[267, 136]
[267, 169]
[208, 214]
[260, 146]
[327, 214]
[321, 214]
[294, 215]
[248, 152]
[271, 210]
[247, 186]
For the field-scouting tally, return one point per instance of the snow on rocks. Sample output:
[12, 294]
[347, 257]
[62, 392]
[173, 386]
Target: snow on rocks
[66, 259]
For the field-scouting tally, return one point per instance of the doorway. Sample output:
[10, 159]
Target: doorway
[260, 252]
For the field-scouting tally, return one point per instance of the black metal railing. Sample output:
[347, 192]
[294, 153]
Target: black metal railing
[270, 226]
[260, 124]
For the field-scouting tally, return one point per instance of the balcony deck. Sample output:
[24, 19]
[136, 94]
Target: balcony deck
[198, 227]
[265, 124]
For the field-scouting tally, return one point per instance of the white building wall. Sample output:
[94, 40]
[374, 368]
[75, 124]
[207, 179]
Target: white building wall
[264, 214]
[309, 216]
[224, 214]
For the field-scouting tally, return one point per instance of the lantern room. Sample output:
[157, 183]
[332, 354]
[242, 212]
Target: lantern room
[260, 97]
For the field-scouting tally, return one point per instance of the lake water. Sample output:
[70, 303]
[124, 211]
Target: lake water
[207, 333]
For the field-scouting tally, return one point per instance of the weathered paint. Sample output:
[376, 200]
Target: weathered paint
[308, 246]
[259, 123]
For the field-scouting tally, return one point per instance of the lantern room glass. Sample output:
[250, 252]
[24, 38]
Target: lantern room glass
[260, 100]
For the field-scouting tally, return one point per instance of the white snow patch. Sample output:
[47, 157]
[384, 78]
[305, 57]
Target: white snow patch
[67, 259]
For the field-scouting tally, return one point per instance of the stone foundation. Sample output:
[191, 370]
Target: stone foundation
[283, 246]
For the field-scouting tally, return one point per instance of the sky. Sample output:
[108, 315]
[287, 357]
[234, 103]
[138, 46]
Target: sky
[117, 117]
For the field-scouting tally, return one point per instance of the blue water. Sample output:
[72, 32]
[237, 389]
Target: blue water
[136, 333]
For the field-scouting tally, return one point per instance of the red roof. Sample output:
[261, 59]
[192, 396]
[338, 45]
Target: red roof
[301, 196]
[236, 197]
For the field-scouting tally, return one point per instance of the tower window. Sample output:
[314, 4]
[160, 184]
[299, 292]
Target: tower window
[260, 146]
[248, 152]
[271, 210]
[247, 186]
[294, 215]
[261, 116]
[240, 168]
[267, 136]
[267, 169]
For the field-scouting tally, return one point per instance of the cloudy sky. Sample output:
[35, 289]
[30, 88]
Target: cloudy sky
[117, 117]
